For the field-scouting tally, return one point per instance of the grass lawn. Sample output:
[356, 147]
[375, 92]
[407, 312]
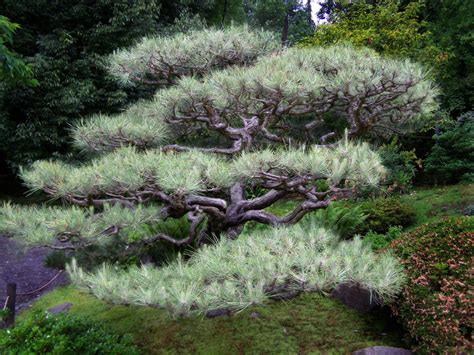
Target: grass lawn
[308, 324]
[433, 203]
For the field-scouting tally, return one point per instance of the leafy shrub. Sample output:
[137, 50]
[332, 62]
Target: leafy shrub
[343, 220]
[62, 334]
[435, 306]
[379, 241]
[383, 213]
[401, 166]
[452, 157]
[3, 314]
[386, 28]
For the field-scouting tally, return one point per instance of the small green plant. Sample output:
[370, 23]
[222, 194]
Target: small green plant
[343, 220]
[57, 259]
[3, 314]
[379, 241]
[383, 213]
[401, 166]
[435, 305]
[62, 334]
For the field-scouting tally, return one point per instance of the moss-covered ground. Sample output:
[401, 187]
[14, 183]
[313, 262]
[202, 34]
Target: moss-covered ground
[432, 203]
[308, 324]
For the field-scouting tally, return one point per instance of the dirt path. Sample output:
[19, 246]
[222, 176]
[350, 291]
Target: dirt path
[26, 269]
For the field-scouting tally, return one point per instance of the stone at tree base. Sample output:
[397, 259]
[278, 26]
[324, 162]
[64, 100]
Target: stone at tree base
[62, 308]
[354, 296]
[213, 313]
[382, 350]
[469, 210]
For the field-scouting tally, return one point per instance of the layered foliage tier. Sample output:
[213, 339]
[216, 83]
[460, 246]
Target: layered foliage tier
[232, 275]
[259, 111]
[232, 113]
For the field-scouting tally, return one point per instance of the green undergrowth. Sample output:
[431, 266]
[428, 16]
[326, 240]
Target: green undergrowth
[308, 324]
[432, 203]
[429, 203]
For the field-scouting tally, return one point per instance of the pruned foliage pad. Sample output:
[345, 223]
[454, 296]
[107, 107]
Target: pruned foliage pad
[294, 90]
[232, 275]
[127, 188]
[436, 304]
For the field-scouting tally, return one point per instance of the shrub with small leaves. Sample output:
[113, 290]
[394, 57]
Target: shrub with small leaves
[435, 305]
[62, 334]
[383, 213]
[401, 166]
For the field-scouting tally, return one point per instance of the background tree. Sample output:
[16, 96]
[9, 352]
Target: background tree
[452, 26]
[428, 26]
[12, 68]
[65, 44]
[386, 28]
[290, 18]
[451, 159]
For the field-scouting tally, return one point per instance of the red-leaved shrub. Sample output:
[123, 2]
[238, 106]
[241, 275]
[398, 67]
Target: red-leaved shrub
[436, 306]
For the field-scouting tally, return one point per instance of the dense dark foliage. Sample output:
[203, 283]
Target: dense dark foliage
[435, 306]
[451, 159]
[401, 166]
[452, 26]
[290, 18]
[12, 68]
[62, 334]
[65, 43]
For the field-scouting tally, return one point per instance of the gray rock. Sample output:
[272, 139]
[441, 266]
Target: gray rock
[214, 313]
[354, 296]
[469, 210]
[62, 308]
[382, 350]
[254, 315]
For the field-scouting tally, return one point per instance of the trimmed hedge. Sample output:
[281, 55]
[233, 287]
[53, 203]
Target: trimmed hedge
[435, 306]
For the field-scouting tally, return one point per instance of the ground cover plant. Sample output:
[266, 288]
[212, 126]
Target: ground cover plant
[431, 204]
[61, 334]
[435, 304]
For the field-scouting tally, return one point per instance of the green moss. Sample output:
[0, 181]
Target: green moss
[430, 204]
[307, 324]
